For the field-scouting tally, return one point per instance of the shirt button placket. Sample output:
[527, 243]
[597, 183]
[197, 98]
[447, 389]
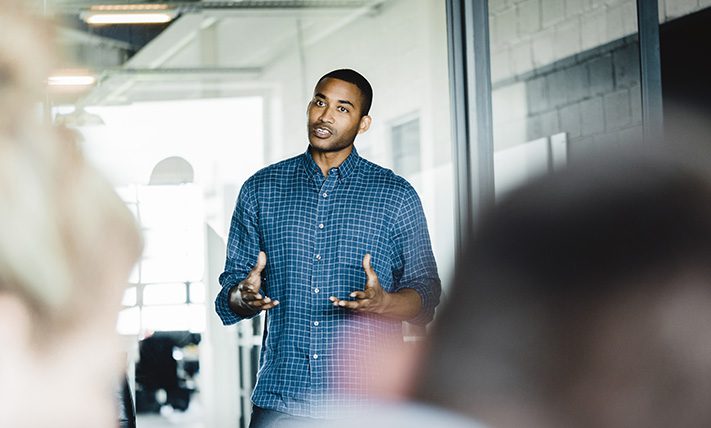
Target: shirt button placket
[319, 258]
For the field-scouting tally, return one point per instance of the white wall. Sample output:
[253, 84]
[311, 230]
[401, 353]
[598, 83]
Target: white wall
[402, 50]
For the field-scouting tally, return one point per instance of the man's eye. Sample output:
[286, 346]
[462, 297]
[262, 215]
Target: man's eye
[320, 103]
[343, 109]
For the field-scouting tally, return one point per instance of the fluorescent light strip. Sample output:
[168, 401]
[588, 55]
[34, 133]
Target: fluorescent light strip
[84, 80]
[127, 18]
[128, 7]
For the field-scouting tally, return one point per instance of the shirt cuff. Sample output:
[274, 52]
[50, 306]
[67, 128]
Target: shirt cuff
[429, 295]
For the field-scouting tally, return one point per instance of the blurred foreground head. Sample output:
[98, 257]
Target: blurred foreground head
[584, 300]
[67, 244]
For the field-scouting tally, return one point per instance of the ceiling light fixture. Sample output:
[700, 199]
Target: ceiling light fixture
[128, 7]
[128, 14]
[71, 80]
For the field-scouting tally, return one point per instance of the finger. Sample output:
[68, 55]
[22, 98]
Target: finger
[369, 272]
[270, 305]
[351, 304]
[263, 301]
[348, 304]
[246, 287]
[359, 295]
[259, 304]
[251, 297]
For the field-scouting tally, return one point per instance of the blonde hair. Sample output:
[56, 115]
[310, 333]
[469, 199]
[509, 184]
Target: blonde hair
[61, 223]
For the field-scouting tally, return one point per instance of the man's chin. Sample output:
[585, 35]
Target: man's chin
[324, 147]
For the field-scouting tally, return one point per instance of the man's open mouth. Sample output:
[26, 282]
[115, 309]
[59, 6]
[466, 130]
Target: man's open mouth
[322, 132]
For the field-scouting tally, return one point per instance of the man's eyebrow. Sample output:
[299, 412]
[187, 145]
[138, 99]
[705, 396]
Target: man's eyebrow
[320, 95]
[346, 102]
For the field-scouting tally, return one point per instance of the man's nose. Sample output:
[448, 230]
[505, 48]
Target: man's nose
[326, 116]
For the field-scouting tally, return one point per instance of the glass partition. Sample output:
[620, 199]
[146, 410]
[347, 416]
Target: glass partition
[565, 82]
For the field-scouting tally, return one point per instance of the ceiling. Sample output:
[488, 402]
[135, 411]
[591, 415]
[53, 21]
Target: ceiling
[213, 44]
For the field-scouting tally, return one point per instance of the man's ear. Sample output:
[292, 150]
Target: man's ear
[15, 321]
[364, 124]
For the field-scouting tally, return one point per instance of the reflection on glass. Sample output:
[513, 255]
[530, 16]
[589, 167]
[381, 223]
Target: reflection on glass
[566, 67]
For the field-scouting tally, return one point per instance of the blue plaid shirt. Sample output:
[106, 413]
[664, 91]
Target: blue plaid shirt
[315, 231]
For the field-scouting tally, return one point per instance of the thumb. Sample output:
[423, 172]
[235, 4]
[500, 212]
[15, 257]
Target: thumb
[256, 271]
[261, 263]
[369, 272]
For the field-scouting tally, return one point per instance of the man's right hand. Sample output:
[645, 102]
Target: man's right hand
[245, 298]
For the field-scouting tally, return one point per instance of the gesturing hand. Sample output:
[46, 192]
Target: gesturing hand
[372, 299]
[247, 296]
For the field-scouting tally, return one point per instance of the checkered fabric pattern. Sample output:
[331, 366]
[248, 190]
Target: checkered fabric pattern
[315, 231]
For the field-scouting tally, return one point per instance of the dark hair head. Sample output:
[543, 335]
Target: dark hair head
[569, 292]
[352, 76]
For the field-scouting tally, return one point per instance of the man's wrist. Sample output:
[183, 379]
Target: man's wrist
[386, 305]
[404, 304]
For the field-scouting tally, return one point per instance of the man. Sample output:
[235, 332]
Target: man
[336, 249]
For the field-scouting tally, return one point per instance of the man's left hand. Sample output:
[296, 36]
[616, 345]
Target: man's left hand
[372, 299]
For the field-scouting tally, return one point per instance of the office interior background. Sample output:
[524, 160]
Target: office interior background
[178, 113]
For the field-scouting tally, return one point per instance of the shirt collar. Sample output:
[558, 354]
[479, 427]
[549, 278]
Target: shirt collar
[344, 169]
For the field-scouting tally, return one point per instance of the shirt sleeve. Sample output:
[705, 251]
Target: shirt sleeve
[242, 251]
[414, 263]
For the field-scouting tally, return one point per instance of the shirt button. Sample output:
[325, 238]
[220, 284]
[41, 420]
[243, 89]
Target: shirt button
[316, 290]
[316, 323]
[321, 226]
[318, 256]
[315, 356]
[325, 195]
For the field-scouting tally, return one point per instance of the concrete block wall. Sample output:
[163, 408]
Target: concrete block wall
[569, 66]
[594, 97]
[528, 34]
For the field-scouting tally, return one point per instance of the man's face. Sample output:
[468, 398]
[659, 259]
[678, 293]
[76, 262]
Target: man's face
[334, 117]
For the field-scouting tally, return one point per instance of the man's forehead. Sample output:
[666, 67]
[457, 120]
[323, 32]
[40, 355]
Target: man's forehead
[338, 89]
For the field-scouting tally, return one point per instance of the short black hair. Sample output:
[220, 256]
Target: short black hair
[352, 76]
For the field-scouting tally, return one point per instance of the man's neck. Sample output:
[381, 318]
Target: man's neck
[328, 160]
